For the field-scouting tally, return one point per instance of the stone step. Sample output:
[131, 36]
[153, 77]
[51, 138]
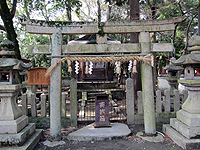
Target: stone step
[179, 139]
[29, 144]
[185, 130]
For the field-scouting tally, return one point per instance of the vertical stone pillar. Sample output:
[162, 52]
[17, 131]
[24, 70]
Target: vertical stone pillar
[140, 103]
[167, 101]
[24, 104]
[158, 101]
[73, 102]
[147, 87]
[63, 107]
[43, 105]
[176, 100]
[130, 101]
[33, 105]
[55, 88]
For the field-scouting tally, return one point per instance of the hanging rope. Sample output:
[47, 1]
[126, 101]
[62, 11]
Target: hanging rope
[146, 59]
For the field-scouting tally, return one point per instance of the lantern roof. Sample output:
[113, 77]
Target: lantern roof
[13, 64]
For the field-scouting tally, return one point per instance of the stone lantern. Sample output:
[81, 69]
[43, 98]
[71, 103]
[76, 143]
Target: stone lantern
[14, 126]
[174, 73]
[185, 129]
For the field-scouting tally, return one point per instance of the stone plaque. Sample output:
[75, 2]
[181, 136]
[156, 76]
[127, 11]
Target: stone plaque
[36, 76]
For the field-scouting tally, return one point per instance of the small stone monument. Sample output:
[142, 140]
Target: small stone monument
[185, 129]
[14, 127]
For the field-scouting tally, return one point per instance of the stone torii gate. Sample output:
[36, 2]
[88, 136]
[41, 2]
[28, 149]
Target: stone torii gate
[144, 27]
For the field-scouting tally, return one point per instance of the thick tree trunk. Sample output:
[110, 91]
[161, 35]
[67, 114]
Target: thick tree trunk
[7, 17]
[134, 15]
[134, 38]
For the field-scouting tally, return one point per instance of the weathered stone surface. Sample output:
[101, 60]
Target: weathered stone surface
[147, 87]
[19, 137]
[14, 63]
[101, 39]
[192, 103]
[55, 89]
[101, 48]
[24, 104]
[158, 102]
[162, 83]
[108, 27]
[63, 105]
[162, 47]
[73, 102]
[13, 126]
[140, 102]
[43, 105]
[179, 139]
[194, 41]
[8, 107]
[188, 118]
[130, 101]
[89, 133]
[187, 131]
[192, 58]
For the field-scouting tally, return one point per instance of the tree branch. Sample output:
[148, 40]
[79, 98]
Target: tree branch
[187, 31]
[14, 8]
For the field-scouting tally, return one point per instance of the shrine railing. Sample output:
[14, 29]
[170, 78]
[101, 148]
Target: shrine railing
[166, 105]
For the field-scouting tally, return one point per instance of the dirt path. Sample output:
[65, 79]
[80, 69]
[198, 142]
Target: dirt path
[132, 142]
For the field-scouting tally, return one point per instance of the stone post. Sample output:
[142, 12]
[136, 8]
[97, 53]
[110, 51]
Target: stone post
[33, 105]
[55, 88]
[140, 103]
[43, 105]
[130, 101]
[176, 100]
[158, 102]
[73, 102]
[63, 107]
[24, 104]
[147, 87]
[167, 101]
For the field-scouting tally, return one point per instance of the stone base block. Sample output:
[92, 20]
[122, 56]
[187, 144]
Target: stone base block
[189, 119]
[185, 130]
[19, 138]
[179, 139]
[13, 126]
[29, 144]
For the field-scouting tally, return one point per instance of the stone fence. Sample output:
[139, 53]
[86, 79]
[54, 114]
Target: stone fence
[166, 105]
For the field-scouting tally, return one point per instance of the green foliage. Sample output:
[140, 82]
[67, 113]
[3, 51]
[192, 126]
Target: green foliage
[37, 60]
[118, 2]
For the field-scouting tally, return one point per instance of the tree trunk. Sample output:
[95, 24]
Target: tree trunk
[134, 15]
[134, 38]
[7, 17]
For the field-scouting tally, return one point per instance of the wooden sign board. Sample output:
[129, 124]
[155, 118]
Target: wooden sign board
[36, 76]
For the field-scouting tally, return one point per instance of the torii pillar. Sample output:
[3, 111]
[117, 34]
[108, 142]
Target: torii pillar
[147, 87]
[55, 88]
